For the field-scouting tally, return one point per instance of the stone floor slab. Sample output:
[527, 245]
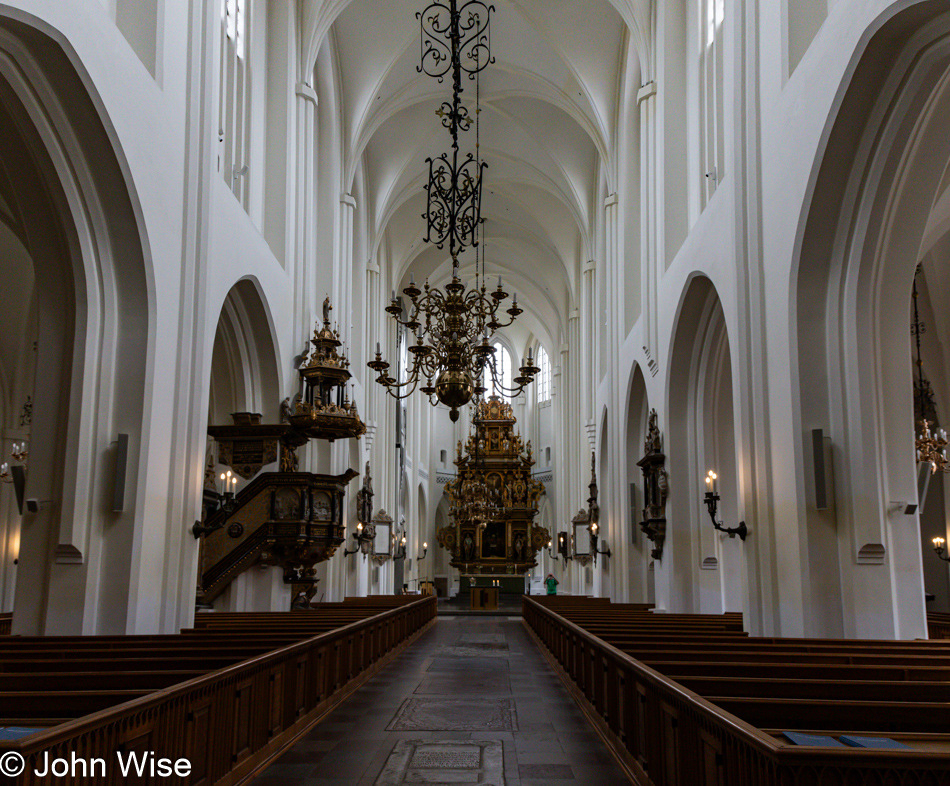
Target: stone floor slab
[462, 683]
[356, 742]
[442, 762]
[455, 715]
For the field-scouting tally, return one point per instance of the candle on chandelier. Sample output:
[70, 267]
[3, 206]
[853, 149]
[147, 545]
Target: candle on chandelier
[711, 478]
[377, 347]
[412, 279]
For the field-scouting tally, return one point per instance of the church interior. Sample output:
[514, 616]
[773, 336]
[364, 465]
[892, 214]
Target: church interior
[471, 391]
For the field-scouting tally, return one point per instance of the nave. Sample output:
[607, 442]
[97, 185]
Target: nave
[468, 690]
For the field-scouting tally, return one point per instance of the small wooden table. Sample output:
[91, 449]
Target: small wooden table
[484, 598]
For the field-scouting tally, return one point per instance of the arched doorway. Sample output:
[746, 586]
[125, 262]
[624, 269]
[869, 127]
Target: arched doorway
[81, 553]
[245, 377]
[874, 191]
[701, 569]
[639, 578]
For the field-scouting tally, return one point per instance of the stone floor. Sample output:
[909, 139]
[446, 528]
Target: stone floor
[472, 701]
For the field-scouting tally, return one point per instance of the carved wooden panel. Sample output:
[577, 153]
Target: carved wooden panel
[711, 760]
[276, 695]
[197, 747]
[241, 747]
[669, 729]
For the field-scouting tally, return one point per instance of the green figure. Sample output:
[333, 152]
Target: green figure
[551, 583]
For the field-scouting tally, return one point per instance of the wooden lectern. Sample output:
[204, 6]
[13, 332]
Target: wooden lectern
[484, 598]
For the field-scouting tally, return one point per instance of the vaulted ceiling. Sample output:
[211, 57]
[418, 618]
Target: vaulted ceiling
[548, 126]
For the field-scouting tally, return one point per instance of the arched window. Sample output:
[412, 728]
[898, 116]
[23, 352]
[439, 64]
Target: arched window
[502, 371]
[712, 131]
[234, 107]
[544, 376]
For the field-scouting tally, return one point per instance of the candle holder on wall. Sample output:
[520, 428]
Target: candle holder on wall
[939, 547]
[564, 546]
[364, 536]
[712, 505]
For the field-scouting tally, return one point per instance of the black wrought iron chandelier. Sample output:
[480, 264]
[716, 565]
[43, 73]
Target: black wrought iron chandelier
[452, 329]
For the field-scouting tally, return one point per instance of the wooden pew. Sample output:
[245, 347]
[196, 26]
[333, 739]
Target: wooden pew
[228, 697]
[686, 702]
[938, 625]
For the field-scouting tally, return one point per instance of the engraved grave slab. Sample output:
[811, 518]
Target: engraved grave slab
[474, 650]
[437, 762]
[444, 662]
[465, 683]
[455, 715]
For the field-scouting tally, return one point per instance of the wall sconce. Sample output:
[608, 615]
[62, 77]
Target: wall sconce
[939, 548]
[400, 552]
[226, 497]
[215, 501]
[593, 512]
[425, 549]
[712, 505]
[364, 540]
[594, 529]
[563, 546]
[551, 553]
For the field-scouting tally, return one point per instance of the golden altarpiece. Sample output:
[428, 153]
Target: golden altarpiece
[493, 499]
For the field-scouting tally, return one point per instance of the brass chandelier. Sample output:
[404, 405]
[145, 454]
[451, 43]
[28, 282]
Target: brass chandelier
[452, 329]
[931, 447]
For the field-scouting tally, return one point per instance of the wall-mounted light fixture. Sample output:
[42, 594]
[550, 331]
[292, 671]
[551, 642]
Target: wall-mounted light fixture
[593, 511]
[551, 553]
[425, 549]
[594, 529]
[221, 498]
[400, 552]
[563, 546]
[364, 540]
[940, 547]
[712, 505]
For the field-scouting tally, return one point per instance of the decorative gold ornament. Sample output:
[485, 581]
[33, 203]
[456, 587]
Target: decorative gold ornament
[325, 410]
[494, 499]
[931, 446]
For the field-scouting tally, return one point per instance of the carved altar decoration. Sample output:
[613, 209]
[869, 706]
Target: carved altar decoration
[293, 520]
[325, 411]
[655, 488]
[494, 499]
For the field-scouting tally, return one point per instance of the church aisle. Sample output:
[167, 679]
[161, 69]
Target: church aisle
[473, 700]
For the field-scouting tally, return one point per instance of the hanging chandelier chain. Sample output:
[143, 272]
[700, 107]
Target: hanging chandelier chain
[452, 347]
